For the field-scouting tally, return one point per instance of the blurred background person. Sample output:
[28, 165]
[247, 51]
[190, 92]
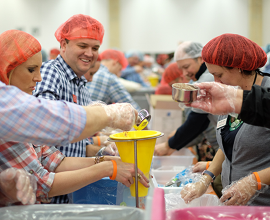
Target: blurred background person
[54, 53]
[105, 85]
[172, 74]
[134, 69]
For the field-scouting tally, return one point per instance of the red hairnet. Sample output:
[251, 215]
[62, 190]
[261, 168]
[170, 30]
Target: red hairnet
[114, 55]
[163, 90]
[55, 51]
[161, 58]
[16, 47]
[232, 50]
[172, 72]
[80, 26]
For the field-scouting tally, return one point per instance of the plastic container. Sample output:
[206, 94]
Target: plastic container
[70, 212]
[220, 213]
[170, 161]
[162, 177]
[103, 191]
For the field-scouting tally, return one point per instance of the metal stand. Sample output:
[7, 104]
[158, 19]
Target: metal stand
[135, 161]
[136, 174]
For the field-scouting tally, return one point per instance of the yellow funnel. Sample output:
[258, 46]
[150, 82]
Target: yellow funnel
[145, 151]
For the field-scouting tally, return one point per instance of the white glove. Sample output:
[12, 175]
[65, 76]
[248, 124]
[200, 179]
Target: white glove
[16, 185]
[217, 98]
[194, 190]
[242, 191]
[121, 115]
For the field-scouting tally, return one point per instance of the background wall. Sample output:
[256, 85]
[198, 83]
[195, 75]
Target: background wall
[154, 26]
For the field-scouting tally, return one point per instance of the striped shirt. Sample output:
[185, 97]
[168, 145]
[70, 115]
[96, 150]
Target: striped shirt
[40, 161]
[53, 123]
[106, 87]
[60, 82]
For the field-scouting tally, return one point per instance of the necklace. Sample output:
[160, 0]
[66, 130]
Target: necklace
[234, 123]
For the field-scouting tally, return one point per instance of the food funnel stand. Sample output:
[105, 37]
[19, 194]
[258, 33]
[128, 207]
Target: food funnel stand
[136, 161]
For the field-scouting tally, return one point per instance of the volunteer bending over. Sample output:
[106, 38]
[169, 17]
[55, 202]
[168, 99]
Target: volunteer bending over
[243, 158]
[55, 173]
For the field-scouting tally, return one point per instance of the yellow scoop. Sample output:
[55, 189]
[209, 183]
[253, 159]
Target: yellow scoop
[141, 126]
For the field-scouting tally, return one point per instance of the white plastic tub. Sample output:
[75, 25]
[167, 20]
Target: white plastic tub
[171, 161]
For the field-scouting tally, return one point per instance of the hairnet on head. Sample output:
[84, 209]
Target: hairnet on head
[80, 26]
[134, 54]
[54, 51]
[233, 50]
[187, 50]
[16, 47]
[172, 72]
[114, 55]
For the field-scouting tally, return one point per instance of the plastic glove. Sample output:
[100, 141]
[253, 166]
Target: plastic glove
[194, 190]
[121, 115]
[217, 98]
[242, 191]
[110, 149]
[199, 167]
[17, 185]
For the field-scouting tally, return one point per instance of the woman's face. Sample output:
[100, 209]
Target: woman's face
[226, 76]
[26, 75]
[190, 67]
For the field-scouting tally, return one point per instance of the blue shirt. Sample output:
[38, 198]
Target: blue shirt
[60, 82]
[106, 87]
[53, 123]
[130, 74]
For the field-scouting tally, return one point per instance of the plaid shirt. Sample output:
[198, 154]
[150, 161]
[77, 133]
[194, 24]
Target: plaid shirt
[53, 123]
[60, 82]
[106, 87]
[40, 161]
[130, 74]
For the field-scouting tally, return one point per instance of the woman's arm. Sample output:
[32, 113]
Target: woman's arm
[70, 181]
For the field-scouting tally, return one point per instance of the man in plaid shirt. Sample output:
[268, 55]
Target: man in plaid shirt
[80, 38]
[105, 85]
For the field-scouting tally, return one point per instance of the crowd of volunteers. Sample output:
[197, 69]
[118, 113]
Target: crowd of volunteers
[53, 113]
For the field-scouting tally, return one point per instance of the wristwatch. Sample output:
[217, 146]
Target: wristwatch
[209, 173]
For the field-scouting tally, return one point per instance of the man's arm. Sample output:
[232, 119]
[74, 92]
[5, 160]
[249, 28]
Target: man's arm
[256, 106]
[195, 124]
[25, 118]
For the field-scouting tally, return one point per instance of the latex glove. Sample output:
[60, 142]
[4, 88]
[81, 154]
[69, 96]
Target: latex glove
[163, 149]
[217, 98]
[17, 185]
[110, 149]
[194, 190]
[121, 115]
[242, 191]
[199, 167]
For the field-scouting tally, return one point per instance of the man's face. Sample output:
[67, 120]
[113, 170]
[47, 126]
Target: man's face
[90, 73]
[190, 67]
[133, 61]
[115, 68]
[80, 54]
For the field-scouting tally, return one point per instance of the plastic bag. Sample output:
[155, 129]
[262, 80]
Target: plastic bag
[183, 178]
[174, 201]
